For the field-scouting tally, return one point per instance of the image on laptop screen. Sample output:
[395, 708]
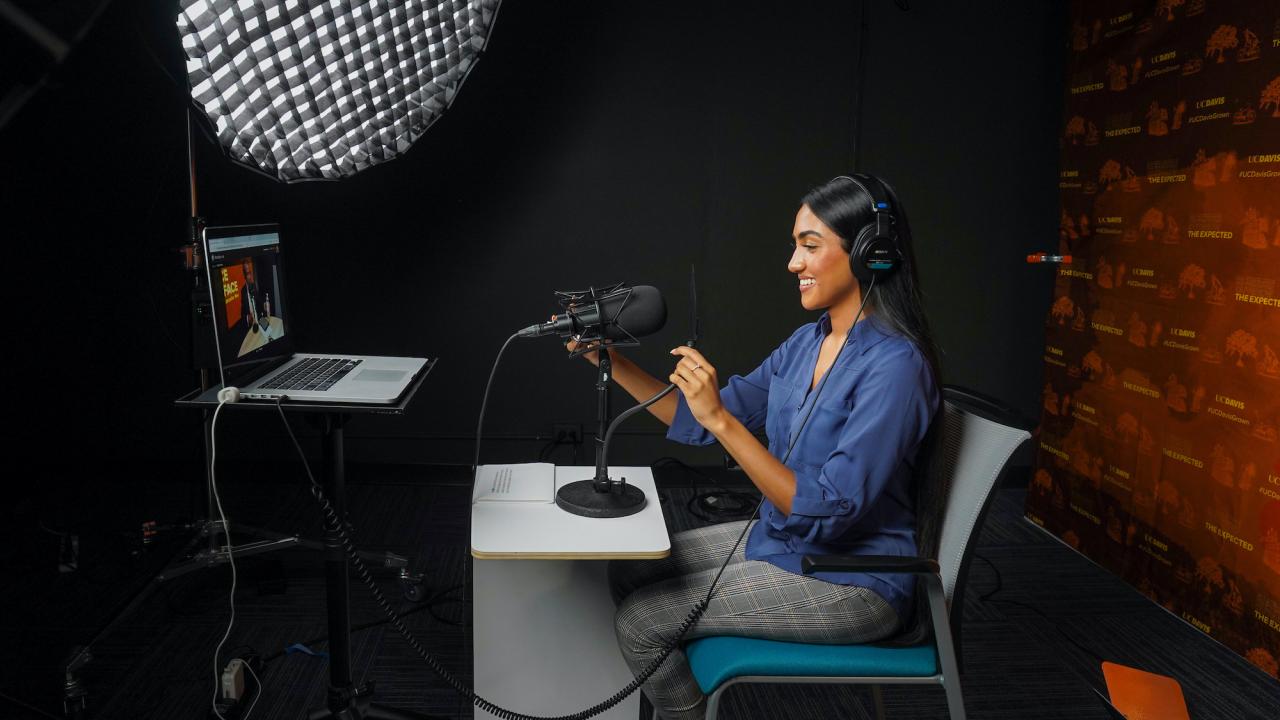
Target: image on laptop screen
[247, 288]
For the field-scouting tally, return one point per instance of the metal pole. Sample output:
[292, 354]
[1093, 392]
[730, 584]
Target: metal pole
[602, 413]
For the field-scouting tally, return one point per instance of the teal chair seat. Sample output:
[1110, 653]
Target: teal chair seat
[717, 659]
[977, 440]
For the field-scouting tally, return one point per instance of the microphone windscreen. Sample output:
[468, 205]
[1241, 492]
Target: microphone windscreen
[644, 313]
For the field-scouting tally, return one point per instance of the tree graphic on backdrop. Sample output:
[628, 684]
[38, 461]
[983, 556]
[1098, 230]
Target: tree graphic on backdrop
[1271, 97]
[1109, 173]
[1191, 279]
[1209, 573]
[1241, 345]
[1226, 37]
[1075, 129]
[1063, 309]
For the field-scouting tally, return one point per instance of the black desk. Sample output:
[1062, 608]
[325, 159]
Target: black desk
[345, 701]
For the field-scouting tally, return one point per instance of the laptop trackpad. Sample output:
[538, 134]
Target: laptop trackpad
[372, 375]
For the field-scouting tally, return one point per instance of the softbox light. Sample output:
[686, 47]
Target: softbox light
[322, 89]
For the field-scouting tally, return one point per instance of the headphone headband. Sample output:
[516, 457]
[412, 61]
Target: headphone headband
[872, 187]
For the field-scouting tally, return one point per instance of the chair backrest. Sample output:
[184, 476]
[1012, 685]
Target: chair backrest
[972, 455]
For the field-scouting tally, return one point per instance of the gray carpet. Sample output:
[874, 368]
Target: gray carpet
[157, 661]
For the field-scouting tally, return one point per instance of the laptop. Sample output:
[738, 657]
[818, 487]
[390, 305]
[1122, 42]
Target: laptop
[254, 337]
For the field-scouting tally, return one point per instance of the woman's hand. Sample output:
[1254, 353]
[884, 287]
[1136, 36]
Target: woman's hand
[697, 379]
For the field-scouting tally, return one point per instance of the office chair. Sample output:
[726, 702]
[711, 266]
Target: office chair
[978, 438]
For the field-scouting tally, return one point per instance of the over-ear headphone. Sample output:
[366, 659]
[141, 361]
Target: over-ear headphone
[875, 252]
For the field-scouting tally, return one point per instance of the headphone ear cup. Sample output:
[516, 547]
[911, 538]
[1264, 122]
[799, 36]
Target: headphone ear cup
[873, 255]
[858, 255]
[875, 252]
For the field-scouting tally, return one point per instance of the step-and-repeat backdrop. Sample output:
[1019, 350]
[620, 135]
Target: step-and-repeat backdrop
[1158, 455]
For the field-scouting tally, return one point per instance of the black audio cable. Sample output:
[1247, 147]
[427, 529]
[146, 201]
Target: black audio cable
[331, 516]
[695, 613]
[484, 401]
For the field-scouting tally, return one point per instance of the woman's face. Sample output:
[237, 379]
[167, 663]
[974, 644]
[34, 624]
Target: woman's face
[820, 263]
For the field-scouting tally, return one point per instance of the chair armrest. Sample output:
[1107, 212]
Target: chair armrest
[810, 564]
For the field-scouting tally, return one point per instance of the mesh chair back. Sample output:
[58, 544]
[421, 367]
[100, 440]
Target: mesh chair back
[971, 455]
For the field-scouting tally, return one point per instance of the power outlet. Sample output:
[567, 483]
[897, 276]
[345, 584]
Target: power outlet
[568, 433]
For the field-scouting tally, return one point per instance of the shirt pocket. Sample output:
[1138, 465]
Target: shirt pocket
[779, 413]
[820, 436]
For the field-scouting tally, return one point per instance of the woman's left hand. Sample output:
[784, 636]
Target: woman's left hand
[697, 379]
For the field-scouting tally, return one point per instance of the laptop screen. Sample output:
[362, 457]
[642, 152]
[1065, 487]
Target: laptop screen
[246, 281]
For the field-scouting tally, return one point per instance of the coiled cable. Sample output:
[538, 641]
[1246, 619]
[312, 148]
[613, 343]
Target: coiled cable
[695, 613]
[362, 571]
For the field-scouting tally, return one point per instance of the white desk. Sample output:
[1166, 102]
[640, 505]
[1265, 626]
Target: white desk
[543, 617]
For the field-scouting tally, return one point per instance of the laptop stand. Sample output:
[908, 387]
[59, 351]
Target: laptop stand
[346, 701]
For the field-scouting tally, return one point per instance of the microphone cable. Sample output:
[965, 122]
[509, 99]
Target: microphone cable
[397, 622]
[484, 401]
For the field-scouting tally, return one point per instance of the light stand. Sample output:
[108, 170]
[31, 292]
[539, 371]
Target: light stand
[601, 496]
[209, 536]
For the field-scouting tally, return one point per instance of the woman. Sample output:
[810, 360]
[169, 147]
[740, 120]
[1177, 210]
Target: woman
[847, 485]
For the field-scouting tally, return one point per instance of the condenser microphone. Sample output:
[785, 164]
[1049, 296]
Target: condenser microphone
[621, 314]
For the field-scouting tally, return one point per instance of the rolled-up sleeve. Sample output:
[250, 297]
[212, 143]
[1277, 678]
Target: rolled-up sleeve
[745, 397]
[893, 405]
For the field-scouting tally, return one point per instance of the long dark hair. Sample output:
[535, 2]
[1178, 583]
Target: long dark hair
[897, 303]
[897, 306]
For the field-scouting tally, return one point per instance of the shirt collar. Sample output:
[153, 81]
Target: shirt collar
[866, 334]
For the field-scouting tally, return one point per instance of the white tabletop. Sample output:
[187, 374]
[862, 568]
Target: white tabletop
[541, 530]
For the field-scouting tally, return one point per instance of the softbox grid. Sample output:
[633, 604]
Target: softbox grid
[310, 89]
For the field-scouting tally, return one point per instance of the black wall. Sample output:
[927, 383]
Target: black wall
[594, 142]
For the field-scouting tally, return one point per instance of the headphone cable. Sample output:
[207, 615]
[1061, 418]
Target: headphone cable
[396, 621]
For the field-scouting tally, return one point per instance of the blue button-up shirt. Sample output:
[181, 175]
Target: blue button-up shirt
[854, 460]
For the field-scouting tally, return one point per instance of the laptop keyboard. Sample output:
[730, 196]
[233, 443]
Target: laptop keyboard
[316, 374]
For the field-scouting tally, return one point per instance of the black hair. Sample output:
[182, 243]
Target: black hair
[897, 306]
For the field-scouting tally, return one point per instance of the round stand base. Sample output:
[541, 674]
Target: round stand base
[581, 498]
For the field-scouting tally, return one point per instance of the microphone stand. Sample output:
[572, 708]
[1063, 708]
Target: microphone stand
[601, 496]
[601, 481]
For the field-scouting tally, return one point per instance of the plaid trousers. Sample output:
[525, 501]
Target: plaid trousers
[752, 599]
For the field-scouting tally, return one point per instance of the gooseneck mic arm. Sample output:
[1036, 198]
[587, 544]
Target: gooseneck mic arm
[602, 464]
